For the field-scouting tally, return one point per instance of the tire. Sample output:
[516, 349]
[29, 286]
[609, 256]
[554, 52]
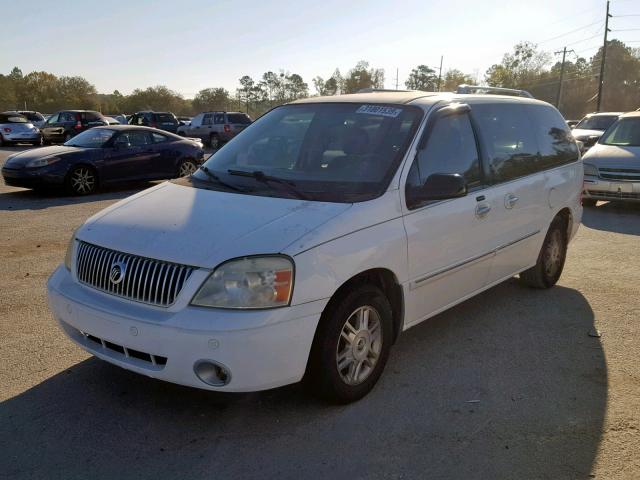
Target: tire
[547, 270]
[214, 141]
[187, 167]
[347, 359]
[67, 137]
[589, 202]
[82, 180]
[2, 142]
[45, 141]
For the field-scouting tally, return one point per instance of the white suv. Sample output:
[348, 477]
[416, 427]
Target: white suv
[308, 243]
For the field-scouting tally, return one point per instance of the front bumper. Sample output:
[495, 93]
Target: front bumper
[22, 137]
[261, 349]
[33, 177]
[599, 189]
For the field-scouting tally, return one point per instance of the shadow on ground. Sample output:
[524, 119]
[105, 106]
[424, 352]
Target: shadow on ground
[618, 217]
[506, 385]
[42, 199]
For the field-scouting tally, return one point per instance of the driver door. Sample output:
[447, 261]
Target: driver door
[129, 157]
[449, 241]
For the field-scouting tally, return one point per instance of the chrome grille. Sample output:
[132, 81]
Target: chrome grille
[144, 280]
[624, 174]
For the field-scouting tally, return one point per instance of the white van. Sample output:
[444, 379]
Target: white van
[308, 243]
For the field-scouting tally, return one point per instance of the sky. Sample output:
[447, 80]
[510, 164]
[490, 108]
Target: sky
[189, 45]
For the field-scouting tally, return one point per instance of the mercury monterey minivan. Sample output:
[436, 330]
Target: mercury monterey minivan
[305, 246]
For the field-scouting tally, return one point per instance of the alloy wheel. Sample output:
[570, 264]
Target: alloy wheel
[187, 168]
[553, 253]
[83, 180]
[359, 346]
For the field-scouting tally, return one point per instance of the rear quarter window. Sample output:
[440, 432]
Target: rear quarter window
[240, 118]
[92, 117]
[555, 142]
[166, 118]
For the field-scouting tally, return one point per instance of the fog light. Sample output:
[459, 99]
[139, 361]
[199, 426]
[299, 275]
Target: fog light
[212, 373]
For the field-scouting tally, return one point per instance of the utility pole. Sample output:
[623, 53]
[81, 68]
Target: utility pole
[440, 72]
[559, 95]
[604, 56]
[397, 70]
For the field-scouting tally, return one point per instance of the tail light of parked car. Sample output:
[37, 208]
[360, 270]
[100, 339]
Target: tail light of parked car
[7, 129]
[78, 124]
[227, 128]
[154, 125]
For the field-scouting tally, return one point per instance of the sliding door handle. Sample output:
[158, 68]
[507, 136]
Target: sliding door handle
[482, 209]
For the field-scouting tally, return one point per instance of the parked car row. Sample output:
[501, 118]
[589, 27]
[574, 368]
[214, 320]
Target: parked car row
[104, 155]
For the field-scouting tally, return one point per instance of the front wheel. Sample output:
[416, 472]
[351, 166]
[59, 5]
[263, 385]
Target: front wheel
[82, 180]
[547, 270]
[187, 167]
[352, 346]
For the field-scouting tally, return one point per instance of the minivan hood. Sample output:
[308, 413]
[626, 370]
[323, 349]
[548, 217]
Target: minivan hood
[20, 159]
[194, 226]
[611, 156]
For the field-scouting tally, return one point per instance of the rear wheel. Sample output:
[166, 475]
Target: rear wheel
[351, 346]
[548, 268]
[82, 180]
[67, 137]
[214, 141]
[187, 167]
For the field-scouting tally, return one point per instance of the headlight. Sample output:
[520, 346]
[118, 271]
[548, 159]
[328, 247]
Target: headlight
[590, 170]
[42, 162]
[250, 282]
[69, 254]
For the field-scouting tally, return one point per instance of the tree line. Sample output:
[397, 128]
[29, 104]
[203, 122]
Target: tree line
[526, 67]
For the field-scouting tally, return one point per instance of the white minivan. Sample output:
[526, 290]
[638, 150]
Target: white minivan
[307, 244]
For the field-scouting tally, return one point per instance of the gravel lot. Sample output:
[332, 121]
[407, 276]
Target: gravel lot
[507, 385]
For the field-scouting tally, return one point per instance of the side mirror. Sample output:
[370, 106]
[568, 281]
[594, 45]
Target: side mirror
[438, 186]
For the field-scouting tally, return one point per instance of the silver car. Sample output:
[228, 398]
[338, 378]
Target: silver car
[589, 129]
[612, 166]
[15, 128]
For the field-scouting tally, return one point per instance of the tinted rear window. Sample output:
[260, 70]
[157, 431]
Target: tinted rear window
[166, 118]
[12, 118]
[240, 118]
[554, 137]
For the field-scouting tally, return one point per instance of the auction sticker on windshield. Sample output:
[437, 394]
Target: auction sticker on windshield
[380, 110]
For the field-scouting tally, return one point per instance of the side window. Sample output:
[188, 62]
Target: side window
[67, 117]
[158, 138]
[53, 118]
[206, 120]
[509, 138]
[554, 138]
[450, 148]
[218, 118]
[135, 138]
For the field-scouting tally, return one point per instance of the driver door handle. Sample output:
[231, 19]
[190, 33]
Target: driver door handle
[482, 209]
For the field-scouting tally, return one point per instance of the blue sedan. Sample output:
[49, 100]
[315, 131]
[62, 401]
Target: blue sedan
[105, 155]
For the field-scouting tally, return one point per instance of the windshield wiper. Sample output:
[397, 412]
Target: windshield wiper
[262, 177]
[215, 178]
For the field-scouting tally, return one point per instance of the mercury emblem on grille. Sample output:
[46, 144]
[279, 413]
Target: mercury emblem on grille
[118, 271]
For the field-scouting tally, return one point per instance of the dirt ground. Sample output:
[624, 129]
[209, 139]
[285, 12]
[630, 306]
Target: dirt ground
[508, 385]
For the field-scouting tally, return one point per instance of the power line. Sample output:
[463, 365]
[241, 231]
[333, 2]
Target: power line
[569, 33]
[626, 30]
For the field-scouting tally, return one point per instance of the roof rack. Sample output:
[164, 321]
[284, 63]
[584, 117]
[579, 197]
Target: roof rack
[493, 91]
[381, 90]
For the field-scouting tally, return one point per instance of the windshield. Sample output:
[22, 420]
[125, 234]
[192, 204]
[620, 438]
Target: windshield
[92, 138]
[600, 122]
[624, 133]
[335, 152]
